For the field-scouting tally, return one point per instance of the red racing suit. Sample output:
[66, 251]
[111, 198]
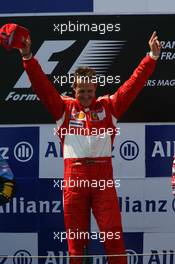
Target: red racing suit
[173, 176]
[87, 155]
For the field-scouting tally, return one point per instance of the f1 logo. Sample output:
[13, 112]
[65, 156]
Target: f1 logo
[44, 53]
[101, 62]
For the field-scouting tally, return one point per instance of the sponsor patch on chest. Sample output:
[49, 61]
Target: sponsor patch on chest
[76, 123]
[98, 115]
[77, 115]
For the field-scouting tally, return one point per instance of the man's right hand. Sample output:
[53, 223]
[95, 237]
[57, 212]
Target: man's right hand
[26, 51]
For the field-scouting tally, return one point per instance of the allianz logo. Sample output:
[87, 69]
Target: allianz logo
[22, 206]
[19, 257]
[163, 149]
[63, 258]
[161, 256]
[129, 205]
[129, 150]
[23, 151]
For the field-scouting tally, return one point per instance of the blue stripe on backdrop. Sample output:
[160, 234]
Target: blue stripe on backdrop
[20, 6]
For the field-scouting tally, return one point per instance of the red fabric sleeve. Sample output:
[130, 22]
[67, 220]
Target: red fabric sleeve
[124, 96]
[44, 89]
[173, 176]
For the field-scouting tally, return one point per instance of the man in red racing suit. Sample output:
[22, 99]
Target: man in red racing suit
[87, 152]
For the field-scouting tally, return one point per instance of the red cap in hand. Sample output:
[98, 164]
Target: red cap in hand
[12, 35]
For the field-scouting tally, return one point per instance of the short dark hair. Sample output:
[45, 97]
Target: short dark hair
[84, 71]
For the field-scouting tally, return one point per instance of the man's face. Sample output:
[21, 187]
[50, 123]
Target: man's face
[85, 92]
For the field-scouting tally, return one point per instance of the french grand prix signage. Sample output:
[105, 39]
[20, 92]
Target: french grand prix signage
[109, 44]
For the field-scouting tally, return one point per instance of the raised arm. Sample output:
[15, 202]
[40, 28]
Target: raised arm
[41, 85]
[121, 100]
